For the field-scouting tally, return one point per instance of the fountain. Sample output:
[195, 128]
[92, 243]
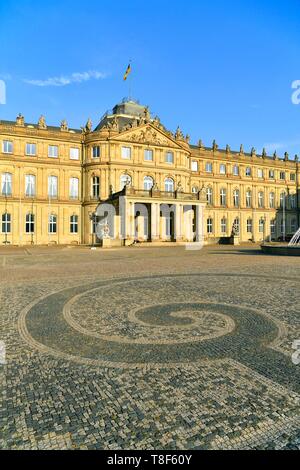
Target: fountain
[291, 249]
[295, 241]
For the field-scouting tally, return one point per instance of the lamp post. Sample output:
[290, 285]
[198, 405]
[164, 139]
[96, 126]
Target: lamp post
[93, 218]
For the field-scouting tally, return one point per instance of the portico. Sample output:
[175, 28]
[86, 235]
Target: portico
[155, 216]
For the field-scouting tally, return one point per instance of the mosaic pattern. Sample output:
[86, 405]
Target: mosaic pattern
[176, 361]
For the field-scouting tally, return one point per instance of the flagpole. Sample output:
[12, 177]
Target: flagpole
[130, 82]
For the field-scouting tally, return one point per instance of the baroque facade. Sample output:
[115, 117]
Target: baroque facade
[58, 184]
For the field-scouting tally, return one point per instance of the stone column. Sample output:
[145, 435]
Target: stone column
[199, 224]
[178, 221]
[187, 231]
[155, 215]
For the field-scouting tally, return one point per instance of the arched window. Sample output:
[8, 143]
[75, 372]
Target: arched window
[124, 180]
[6, 184]
[29, 226]
[260, 199]
[282, 199]
[248, 198]
[209, 195]
[223, 197]
[272, 226]
[6, 223]
[148, 183]
[210, 225]
[30, 185]
[223, 225]
[261, 224]
[293, 225]
[74, 224]
[52, 224]
[293, 201]
[235, 170]
[272, 200]
[169, 185]
[236, 198]
[52, 186]
[236, 224]
[249, 225]
[95, 187]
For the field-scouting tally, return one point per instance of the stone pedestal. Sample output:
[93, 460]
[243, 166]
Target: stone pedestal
[106, 243]
[234, 240]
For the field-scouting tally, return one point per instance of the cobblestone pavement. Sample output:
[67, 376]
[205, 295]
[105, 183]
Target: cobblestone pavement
[149, 348]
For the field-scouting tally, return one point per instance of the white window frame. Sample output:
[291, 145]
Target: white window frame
[74, 188]
[53, 151]
[52, 186]
[169, 157]
[169, 185]
[30, 149]
[126, 153]
[74, 224]
[6, 223]
[29, 223]
[52, 224]
[6, 184]
[148, 155]
[194, 165]
[30, 185]
[74, 153]
[222, 169]
[96, 152]
[7, 146]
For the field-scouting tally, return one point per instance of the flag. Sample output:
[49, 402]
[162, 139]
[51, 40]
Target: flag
[128, 70]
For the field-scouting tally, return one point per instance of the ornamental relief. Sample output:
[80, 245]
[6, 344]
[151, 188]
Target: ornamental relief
[149, 136]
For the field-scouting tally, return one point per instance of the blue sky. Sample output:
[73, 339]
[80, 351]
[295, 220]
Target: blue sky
[221, 70]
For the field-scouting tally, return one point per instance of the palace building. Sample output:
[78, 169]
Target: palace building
[131, 174]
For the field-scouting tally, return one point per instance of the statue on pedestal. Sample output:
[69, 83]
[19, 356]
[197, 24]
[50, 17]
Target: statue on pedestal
[42, 123]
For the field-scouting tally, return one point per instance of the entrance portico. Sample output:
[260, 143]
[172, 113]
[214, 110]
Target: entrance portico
[157, 217]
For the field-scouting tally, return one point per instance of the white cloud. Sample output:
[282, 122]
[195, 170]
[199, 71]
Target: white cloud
[77, 77]
[272, 146]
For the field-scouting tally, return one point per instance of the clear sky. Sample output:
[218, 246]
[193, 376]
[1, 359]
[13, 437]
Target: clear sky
[220, 69]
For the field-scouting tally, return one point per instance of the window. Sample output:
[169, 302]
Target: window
[148, 155]
[223, 197]
[7, 146]
[249, 225]
[53, 151]
[235, 171]
[248, 198]
[272, 226]
[52, 225]
[74, 188]
[29, 185]
[74, 153]
[52, 186]
[236, 224]
[169, 185]
[6, 223]
[148, 183]
[223, 225]
[248, 171]
[293, 225]
[282, 226]
[169, 157]
[96, 151]
[272, 200]
[194, 166]
[222, 169]
[282, 200]
[209, 196]
[208, 167]
[293, 176]
[209, 225]
[124, 180]
[236, 198]
[126, 153]
[293, 201]
[95, 187]
[30, 149]
[260, 199]
[260, 173]
[6, 184]
[271, 174]
[74, 224]
[282, 175]
[29, 226]
[261, 225]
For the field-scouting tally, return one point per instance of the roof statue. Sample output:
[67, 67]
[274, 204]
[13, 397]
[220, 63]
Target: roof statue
[286, 156]
[275, 155]
[264, 153]
[253, 152]
[214, 145]
[241, 149]
[179, 134]
[42, 122]
[64, 125]
[20, 120]
[228, 148]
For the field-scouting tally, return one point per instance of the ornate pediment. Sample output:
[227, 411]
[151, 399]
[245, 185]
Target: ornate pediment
[149, 135]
